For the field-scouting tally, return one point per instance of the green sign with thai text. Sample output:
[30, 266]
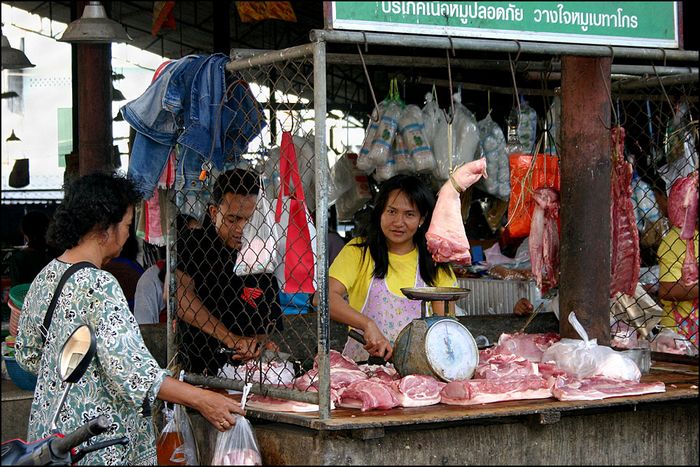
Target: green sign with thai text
[637, 24]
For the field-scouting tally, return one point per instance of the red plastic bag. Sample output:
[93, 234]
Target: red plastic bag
[525, 178]
[299, 261]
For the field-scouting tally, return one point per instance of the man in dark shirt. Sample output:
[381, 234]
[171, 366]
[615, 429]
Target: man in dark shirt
[217, 308]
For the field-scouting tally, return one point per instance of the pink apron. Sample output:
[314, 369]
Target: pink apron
[391, 312]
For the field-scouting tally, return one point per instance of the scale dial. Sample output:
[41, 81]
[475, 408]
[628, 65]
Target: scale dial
[451, 350]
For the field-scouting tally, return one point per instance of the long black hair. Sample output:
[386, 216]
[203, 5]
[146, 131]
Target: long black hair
[95, 201]
[375, 241]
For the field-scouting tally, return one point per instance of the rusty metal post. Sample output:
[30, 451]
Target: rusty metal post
[94, 107]
[585, 196]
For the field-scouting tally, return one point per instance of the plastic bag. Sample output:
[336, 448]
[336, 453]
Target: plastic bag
[527, 125]
[261, 236]
[237, 446]
[403, 161]
[524, 180]
[357, 194]
[432, 117]
[364, 162]
[493, 149]
[669, 341]
[380, 150]
[465, 141]
[411, 129]
[585, 358]
[176, 444]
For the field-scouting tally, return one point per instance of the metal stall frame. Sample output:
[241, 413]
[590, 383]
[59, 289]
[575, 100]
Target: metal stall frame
[317, 49]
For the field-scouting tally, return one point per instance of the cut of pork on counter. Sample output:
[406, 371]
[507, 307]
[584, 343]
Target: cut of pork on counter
[446, 237]
[597, 387]
[528, 346]
[486, 391]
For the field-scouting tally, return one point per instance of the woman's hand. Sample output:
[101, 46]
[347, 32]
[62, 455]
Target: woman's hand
[218, 409]
[375, 342]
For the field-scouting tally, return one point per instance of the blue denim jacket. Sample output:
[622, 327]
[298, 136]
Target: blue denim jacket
[186, 105]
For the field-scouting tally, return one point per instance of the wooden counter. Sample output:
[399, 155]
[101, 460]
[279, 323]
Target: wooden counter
[653, 429]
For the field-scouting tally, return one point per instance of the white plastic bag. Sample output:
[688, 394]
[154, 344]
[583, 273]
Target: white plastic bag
[493, 149]
[176, 444]
[411, 128]
[237, 446]
[432, 117]
[585, 358]
[465, 141]
[380, 150]
[260, 239]
[364, 162]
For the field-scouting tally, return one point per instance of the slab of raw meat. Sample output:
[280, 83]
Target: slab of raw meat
[338, 360]
[528, 346]
[369, 394]
[505, 366]
[544, 239]
[340, 377]
[418, 390]
[683, 213]
[384, 372]
[485, 391]
[446, 237]
[274, 404]
[596, 388]
[624, 237]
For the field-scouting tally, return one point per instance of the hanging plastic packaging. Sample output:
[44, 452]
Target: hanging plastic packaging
[464, 140]
[381, 145]
[237, 446]
[176, 444]
[402, 158]
[260, 239]
[411, 127]
[527, 125]
[493, 149]
[364, 162]
[432, 116]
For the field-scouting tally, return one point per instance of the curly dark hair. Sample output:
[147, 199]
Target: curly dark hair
[95, 201]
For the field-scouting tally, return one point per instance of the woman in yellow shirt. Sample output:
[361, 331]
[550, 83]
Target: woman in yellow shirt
[371, 270]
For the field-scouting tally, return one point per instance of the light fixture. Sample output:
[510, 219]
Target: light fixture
[13, 137]
[13, 59]
[94, 27]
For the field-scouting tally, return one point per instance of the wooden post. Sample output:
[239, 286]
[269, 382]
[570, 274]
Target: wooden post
[585, 196]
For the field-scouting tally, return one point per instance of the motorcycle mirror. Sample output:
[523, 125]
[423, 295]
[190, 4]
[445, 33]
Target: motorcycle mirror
[76, 355]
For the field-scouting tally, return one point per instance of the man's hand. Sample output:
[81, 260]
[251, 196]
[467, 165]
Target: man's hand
[245, 348]
[523, 307]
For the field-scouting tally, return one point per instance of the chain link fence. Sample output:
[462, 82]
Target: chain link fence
[246, 244]
[661, 128]
[227, 303]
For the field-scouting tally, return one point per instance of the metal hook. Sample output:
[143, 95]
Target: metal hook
[663, 52]
[364, 36]
[612, 53]
[517, 55]
[452, 46]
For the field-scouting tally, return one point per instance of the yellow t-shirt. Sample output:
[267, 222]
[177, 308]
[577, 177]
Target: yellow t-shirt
[671, 254]
[355, 272]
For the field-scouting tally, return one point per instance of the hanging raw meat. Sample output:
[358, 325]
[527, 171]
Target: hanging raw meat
[544, 239]
[446, 237]
[624, 237]
[683, 213]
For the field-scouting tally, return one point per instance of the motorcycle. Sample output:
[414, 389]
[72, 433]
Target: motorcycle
[58, 449]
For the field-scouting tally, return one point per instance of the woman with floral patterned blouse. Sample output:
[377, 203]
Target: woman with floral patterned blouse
[123, 379]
